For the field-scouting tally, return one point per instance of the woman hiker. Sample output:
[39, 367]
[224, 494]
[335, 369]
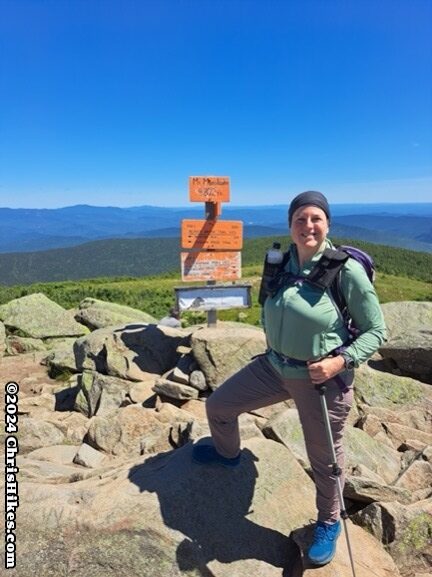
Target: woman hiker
[304, 329]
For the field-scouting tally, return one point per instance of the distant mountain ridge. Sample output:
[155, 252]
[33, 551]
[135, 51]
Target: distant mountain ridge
[23, 230]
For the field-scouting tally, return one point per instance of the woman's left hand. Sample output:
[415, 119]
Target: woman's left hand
[321, 371]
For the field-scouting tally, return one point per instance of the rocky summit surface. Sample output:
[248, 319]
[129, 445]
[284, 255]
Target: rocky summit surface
[110, 405]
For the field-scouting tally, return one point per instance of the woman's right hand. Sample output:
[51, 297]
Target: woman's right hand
[325, 369]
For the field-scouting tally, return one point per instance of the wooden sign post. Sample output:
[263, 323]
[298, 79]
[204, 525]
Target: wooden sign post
[213, 245]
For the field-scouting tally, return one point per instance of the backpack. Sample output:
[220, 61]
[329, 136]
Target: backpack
[324, 275]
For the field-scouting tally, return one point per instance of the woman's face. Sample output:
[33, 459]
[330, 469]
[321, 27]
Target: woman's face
[309, 227]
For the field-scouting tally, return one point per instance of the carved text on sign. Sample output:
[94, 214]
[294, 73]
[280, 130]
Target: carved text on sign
[209, 189]
[211, 234]
[206, 266]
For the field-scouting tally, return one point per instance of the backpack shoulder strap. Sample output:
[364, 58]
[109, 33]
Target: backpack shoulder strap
[279, 278]
[327, 268]
[338, 297]
[368, 265]
[285, 259]
[269, 287]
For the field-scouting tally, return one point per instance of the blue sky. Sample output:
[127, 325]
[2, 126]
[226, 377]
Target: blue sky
[117, 102]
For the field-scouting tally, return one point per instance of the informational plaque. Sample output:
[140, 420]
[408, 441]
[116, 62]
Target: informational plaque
[209, 266]
[205, 298]
[209, 189]
[212, 234]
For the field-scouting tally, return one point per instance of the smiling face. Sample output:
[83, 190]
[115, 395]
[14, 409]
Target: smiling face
[309, 228]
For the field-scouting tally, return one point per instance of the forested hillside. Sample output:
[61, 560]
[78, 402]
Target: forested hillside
[401, 275]
[388, 260]
[101, 258]
[150, 256]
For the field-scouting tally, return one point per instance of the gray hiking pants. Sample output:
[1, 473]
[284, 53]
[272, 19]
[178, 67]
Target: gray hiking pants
[258, 385]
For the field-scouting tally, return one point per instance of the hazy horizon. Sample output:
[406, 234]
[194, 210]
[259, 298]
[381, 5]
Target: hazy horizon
[225, 206]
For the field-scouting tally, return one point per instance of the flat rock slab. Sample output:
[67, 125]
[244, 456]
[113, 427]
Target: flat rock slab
[222, 351]
[382, 389]
[175, 390]
[88, 457]
[61, 454]
[409, 344]
[187, 519]
[183, 519]
[367, 491]
[35, 433]
[97, 314]
[37, 316]
[34, 470]
[411, 353]
[142, 392]
[406, 316]
[359, 446]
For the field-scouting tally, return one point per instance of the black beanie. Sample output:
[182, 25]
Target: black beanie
[310, 197]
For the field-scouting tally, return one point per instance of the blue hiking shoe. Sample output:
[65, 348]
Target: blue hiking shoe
[323, 548]
[207, 455]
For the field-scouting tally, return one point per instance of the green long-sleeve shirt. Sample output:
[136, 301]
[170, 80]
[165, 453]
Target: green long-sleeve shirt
[302, 322]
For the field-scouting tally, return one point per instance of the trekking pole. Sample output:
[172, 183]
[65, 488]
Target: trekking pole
[336, 470]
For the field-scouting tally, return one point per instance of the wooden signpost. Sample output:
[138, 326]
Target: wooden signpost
[213, 246]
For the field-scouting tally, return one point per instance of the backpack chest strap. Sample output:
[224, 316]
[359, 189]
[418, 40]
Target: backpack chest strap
[327, 268]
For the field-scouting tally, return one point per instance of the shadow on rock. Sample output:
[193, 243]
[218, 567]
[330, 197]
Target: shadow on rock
[384, 366]
[65, 399]
[210, 506]
[155, 348]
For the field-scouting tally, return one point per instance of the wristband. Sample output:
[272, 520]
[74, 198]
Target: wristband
[348, 362]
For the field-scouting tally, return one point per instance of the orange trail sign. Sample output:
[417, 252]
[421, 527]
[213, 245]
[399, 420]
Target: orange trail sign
[209, 189]
[212, 234]
[206, 266]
